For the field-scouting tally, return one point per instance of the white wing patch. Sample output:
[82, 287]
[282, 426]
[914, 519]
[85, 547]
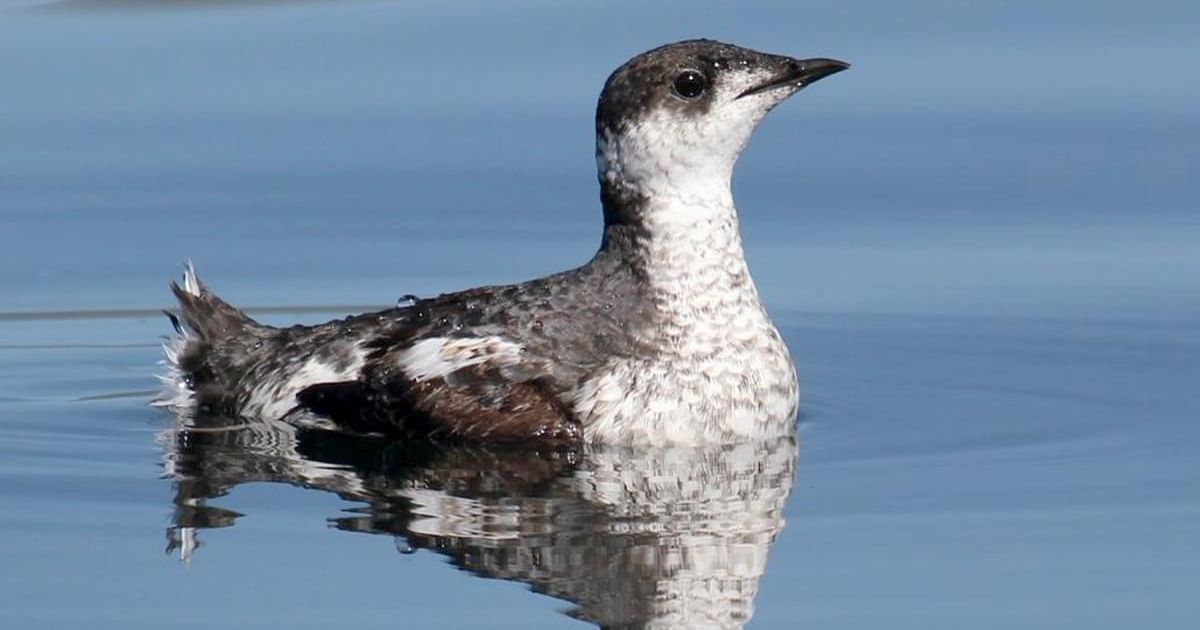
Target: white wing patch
[275, 399]
[436, 357]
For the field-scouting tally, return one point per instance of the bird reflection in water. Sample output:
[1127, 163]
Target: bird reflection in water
[672, 537]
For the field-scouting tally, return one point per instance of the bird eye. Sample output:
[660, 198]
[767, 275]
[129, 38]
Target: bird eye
[689, 85]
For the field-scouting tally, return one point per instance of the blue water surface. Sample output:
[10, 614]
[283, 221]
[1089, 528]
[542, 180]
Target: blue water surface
[981, 243]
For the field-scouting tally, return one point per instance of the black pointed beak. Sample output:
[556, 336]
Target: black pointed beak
[798, 73]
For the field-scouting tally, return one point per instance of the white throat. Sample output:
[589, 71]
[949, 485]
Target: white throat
[685, 210]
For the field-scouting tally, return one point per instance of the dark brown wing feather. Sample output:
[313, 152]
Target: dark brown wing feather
[473, 404]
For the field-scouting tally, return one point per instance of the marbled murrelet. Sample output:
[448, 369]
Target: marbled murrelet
[660, 338]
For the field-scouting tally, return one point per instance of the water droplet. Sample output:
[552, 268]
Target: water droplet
[403, 547]
[407, 300]
[443, 322]
[537, 324]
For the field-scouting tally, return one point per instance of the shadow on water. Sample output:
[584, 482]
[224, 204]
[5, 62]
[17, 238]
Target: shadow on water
[669, 537]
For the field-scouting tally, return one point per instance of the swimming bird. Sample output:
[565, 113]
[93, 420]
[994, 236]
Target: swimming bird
[660, 338]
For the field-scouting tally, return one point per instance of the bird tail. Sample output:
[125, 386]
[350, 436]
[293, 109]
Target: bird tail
[206, 329]
[205, 315]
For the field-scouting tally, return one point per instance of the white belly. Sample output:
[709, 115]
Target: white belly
[748, 391]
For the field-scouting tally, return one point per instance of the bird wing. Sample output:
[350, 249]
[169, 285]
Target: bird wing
[465, 388]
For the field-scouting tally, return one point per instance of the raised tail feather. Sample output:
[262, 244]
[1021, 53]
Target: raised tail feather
[205, 325]
[204, 314]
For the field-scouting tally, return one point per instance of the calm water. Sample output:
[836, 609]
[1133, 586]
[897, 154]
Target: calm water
[982, 244]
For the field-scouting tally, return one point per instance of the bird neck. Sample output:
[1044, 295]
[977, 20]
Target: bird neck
[662, 183]
[669, 217]
[682, 243]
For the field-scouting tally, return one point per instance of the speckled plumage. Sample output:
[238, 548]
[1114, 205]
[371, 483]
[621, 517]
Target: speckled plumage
[661, 337]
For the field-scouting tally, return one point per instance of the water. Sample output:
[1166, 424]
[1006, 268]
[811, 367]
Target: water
[981, 244]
